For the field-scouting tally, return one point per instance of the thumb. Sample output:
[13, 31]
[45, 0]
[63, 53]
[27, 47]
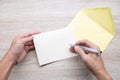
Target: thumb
[79, 51]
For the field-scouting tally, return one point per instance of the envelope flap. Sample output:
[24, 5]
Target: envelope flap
[85, 28]
[101, 16]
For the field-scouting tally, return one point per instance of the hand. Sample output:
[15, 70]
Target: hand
[92, 60]
[21, 45]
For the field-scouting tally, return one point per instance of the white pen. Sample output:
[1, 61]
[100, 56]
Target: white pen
[89, 49]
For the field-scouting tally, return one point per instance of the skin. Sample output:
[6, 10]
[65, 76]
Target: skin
[17, 52]
[22, 44]
[93, 61]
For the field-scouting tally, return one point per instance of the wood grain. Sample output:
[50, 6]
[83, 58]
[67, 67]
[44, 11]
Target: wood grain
[21, 16]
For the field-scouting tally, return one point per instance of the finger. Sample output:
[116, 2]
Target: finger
[72, 49]
[79, 51]
[29, 34]
[87, 43]
[29, 43]
[28, 48]
[27, 39]
[32, 47]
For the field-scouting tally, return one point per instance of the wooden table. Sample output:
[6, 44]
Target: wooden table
[21, 16]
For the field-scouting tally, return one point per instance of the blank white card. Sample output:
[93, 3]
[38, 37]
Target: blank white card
[54, 45]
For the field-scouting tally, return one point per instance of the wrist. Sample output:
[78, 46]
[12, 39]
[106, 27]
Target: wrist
[10, 58]
[102, 75]
[6, 65]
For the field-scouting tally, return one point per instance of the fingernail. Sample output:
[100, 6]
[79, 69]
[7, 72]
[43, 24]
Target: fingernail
[76, 48]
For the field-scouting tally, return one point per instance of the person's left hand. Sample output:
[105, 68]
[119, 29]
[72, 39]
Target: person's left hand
[20, 46]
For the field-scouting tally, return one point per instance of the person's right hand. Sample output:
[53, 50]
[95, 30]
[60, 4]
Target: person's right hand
[92, 60]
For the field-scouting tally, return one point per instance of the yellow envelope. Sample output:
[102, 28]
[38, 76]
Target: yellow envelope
[94, 24]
